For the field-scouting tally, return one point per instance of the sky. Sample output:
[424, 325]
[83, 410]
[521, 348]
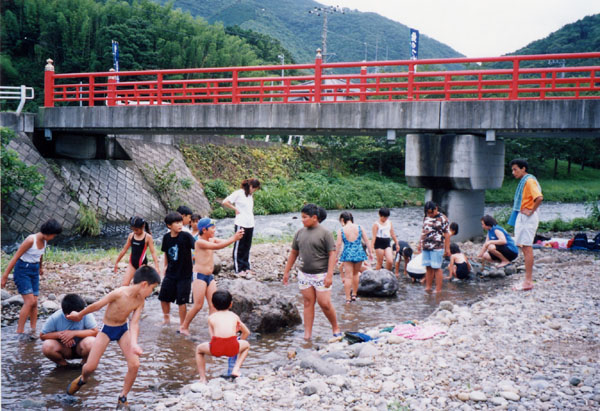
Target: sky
[479, 28]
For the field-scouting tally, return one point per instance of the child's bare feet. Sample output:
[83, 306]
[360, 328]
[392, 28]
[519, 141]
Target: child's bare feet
[184, 331]
[503, 264]
[202, 380]
[166, 320]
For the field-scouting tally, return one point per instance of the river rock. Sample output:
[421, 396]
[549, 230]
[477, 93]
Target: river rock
[14, 300]
[477, 396]
[261, 309]
[377, 283]
[50, 306]
[319, 365]
[574, 381]
[446, 305]
[5, 295]
[510, 395]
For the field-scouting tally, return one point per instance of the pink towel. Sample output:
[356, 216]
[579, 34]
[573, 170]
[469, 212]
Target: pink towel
[415, 332]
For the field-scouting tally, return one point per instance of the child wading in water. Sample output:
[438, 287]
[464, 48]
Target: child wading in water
[316, 248]
[459, 266]
[140, 240]
[435, 243]
[383, 233]
[120, 303]
[27, 263]
[204, 283]
[353, 254]
[223, 326]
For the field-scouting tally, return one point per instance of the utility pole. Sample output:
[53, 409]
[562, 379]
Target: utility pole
[324, 11]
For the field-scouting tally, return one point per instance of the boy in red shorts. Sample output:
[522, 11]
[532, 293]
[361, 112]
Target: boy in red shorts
[223, 326]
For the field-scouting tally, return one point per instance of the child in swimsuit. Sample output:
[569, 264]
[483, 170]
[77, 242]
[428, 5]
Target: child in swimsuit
[27, 263]
[353, 254]
[204, 284]
[403, 252]
[383, 234]
[459, 266]
[119, 304]
[140, 240]
[223, 326]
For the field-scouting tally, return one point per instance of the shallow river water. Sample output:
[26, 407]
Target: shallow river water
[31, 381]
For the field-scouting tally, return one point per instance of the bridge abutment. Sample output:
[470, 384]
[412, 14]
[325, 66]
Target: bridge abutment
[455, 169]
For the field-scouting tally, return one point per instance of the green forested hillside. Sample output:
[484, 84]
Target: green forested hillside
[77, 35]
[300, 32]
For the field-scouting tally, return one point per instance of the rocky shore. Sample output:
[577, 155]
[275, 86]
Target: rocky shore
[533, 350]
[536, 350]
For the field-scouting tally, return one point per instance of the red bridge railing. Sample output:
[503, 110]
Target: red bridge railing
[533, 77]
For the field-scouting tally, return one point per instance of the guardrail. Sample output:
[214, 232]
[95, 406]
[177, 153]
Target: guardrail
[398, 80]
[22, 93]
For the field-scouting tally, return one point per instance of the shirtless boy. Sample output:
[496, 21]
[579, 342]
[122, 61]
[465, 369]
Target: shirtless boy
[223, 326]
[120, 303]
[204, 284]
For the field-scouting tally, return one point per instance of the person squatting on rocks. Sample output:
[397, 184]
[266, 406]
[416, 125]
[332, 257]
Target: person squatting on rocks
[435, 244]
[223, 327]
[204, 283]
[499, 246]
[316, 248]
[64, 339]
[524, 217]
[27, 263]
[119, 303]
[140, 240]
[242, 202]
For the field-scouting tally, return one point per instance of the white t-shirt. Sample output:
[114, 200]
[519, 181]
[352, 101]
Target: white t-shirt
[245, 205]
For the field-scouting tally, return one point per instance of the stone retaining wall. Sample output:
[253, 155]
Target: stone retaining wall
[23, 214]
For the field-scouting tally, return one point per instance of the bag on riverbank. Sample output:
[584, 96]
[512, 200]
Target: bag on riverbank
[355, 337]
[596, 243]
[580, 242]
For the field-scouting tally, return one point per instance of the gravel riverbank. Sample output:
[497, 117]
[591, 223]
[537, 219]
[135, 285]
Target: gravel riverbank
[532, 350]
[535, 350]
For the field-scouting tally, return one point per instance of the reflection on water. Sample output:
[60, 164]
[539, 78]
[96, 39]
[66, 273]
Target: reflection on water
[31, 381]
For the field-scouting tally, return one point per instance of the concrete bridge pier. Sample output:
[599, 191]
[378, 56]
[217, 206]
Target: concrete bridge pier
[455, 169]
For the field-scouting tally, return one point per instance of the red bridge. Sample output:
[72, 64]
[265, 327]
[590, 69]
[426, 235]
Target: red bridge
[522, 78]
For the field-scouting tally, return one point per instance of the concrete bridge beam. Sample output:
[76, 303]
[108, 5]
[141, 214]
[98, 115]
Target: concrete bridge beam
[455, 170]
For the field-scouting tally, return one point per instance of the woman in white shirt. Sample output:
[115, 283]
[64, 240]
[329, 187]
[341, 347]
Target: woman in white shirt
[242, 202]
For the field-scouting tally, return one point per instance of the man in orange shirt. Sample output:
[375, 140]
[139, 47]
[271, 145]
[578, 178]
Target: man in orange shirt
[527, 220]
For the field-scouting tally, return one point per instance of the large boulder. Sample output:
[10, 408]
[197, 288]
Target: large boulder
[259, 307]
[377, 283]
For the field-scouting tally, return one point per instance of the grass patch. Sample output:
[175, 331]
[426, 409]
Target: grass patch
[579, 186]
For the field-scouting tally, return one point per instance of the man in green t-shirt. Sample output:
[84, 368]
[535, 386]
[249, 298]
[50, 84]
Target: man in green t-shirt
[316, 248]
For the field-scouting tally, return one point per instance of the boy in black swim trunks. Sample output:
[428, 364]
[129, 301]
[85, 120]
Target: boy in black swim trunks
[119, 304]
[204, 284]
[177, 283]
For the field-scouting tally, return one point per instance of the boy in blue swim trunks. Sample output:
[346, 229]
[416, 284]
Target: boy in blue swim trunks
[204, 283]
[119, 304]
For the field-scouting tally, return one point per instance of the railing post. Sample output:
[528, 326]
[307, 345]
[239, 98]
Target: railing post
[318, 61]
[112, 87]
[234, 84]
[514, 93]
[363, 83]
[411, 75]
[159, 88]
[49, 84]
[91, 89]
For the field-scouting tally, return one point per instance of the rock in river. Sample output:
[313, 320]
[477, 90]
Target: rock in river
[377, 283]
[261, 309]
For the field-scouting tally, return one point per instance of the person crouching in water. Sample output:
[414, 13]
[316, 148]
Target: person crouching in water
[223, 326]
[459, 266]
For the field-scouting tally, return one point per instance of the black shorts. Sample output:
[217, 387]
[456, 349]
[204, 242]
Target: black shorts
[506, 252]
[175, 290]
[382, 243]
[462, 271]
[417, 277]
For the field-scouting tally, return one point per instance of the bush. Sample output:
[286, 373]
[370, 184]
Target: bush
[88, 225]
[166, 183]
[15, 173]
